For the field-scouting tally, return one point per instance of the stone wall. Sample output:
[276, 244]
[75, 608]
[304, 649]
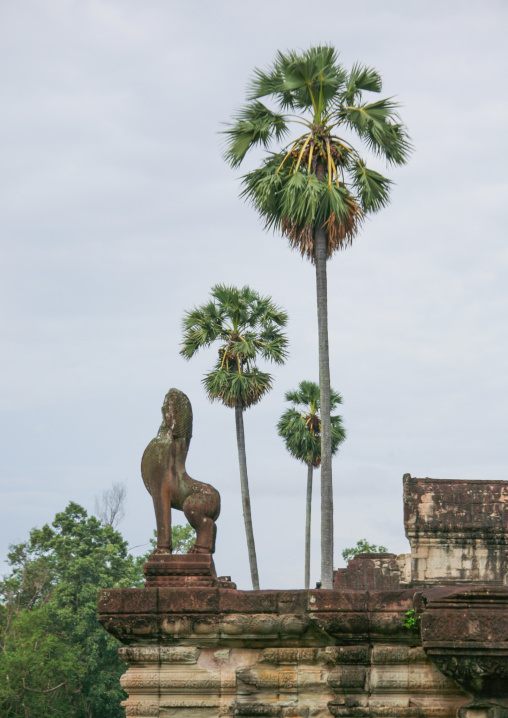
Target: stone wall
[372, 571]
[342, 681]
[458, 531]
[274, 653]
[205, 652]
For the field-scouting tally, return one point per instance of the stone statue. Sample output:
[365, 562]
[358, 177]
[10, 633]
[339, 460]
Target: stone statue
[165, 477]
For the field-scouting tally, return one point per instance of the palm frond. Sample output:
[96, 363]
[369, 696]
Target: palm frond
[361, 78]
[272, 314]
[307, 394]
[305, 81]
[262, 188]
[272, 345]
[300, 443]
[234, 389]
[373, 189]
[341, 216]
[379, 125]
[285, 189]
[338, 433]
[271, 83]
[335, 398]
[201, 327]
[360, 116]
[300, 425]
[295, 203]
[254, 124]
[314, 77]
[390, 142]
[246, 326]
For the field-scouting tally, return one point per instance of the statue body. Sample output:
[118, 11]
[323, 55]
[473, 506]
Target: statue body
[165, 477]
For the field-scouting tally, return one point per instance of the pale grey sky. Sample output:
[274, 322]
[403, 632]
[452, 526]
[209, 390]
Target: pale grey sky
[118, 213]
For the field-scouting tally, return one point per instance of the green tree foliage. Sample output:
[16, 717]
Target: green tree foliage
[362, 546]
[316, 188]
[246, 327]
[300, 427]
[182, 539]
[56, 659]
[412, 621]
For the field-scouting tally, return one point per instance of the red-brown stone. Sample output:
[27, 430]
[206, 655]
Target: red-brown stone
[181, 600]
[180, 570]
[248, 601]
[369, 571]
[465, 633]
[127, 600]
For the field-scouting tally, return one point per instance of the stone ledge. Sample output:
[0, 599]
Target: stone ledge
[271, 618]
[179, 600]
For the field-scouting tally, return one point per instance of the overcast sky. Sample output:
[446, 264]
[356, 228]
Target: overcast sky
[118, 214]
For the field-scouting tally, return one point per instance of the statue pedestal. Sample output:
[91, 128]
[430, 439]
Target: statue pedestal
[195, 570]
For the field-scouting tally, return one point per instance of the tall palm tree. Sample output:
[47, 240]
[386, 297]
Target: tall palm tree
[300, 427]
[246, 326]
[316, 189]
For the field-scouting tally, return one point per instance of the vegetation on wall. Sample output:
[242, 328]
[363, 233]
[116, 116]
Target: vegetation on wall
[362, 546]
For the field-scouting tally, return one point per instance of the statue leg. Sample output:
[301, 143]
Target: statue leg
[162, 503]
[195, 510]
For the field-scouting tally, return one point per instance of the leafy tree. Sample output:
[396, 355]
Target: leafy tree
[316, 189]
[300, 427]
[362, 546]
[56, 659]
[246, 326]
[182, 539]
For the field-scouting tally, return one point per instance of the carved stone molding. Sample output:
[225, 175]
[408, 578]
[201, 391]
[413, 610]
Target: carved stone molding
[481, 673]
[465, 634]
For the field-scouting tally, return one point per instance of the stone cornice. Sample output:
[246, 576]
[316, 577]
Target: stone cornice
[232, 618]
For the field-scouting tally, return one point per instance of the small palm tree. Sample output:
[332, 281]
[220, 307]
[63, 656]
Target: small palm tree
[300, 427]
[316, 189]
[246, 326]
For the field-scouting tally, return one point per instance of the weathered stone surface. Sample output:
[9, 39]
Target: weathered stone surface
[180, 600]
[127, 600]
[169, 484]
[458, 530]
[196, 570]
[318, 617]
[159, 654]
[248, 601]
[227, 663]
[445, 506]
[369, 571]
[336, 601]
[210, 652]
[465, 633]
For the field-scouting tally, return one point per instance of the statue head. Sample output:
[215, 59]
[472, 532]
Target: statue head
[177, 415]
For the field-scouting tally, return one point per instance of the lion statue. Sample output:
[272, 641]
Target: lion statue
[170, 486]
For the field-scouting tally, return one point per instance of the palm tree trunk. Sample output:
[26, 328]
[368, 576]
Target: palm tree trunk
[320, 244]
[244, 482]
[307, 525]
